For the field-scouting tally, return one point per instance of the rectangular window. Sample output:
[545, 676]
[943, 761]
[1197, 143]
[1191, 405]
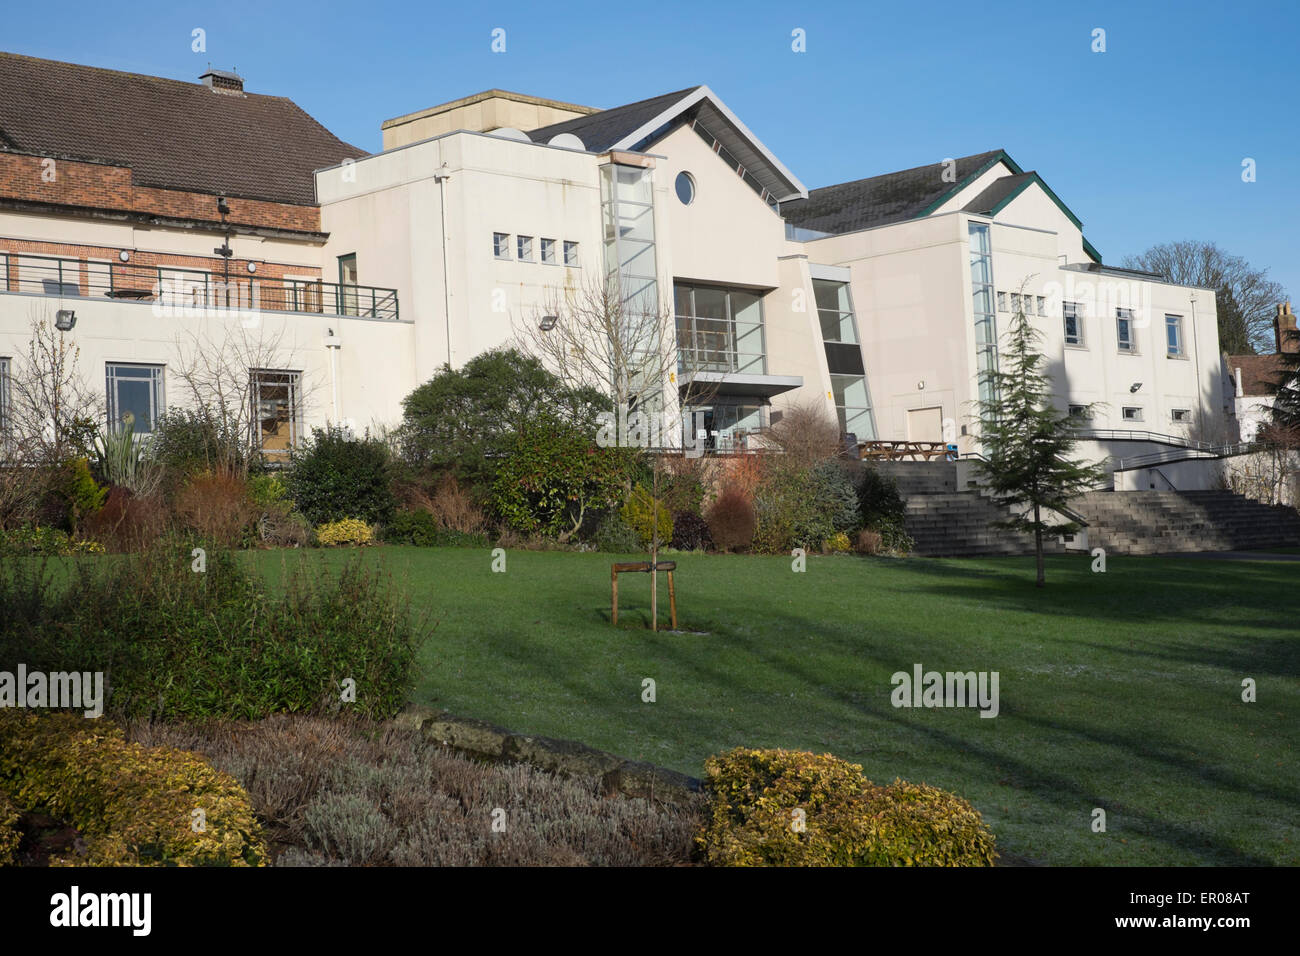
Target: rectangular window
[276, 410]
[1073, 323]
[548, 252]
[1002, 302]
[570, 253]
[1132, 413]
[135, 394]
[5, 424]
[1183, 415]
[501, 245]
[4, 272]
[348, 284]
[525, 248]
[1079, 411]
[983, 306]
[1042, 305]
[1124, 330]
[1174, 334]
[1015, 303]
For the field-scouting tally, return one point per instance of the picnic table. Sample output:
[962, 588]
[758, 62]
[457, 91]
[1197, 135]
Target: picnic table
[900, 450]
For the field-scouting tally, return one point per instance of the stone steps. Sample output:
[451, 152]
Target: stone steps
[1151, 522]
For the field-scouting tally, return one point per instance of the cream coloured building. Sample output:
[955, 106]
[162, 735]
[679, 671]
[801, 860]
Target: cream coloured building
[880, 300]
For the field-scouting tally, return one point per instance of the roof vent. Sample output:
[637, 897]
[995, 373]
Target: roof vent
[222, 81]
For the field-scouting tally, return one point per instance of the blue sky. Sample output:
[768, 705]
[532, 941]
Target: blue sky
[1144, 141]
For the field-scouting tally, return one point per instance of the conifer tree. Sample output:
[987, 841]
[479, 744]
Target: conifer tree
[1028, 443]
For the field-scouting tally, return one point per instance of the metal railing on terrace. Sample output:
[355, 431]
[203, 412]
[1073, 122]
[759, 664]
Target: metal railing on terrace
[184, 288]
[1125, 434]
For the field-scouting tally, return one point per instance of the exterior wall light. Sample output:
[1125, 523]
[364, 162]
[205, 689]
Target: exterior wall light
[252, 267]
[548, 322]
[64, 320]
[124, 255]
[1135, 386]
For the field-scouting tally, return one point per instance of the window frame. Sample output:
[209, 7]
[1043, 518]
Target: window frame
[1078, 411]
[1186, 413]
[551, 260]
[1125, 316]
[1125, 416]
[1180, 351]
[524, 248]
[157, 393]
[501, 246]
[1073, 310]
[295, 419]
[571, 246]
[1002, 301]
[6, 370]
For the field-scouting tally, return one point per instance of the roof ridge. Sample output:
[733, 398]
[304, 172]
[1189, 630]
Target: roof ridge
[911, 169]
[189, 84]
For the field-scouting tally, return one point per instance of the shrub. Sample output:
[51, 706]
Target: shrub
[10, 835]
[731, 520]
[267, 489]
[83, 495]
[553, 475]
[691, 532]
[346, 531]
[335, 476]
[412, 526]
[847, 820]
[216, 506]
[189, 440]
[453, 508]
[282, 527]
[837, 543]
[893, 535]
[868, 542]
[878, 498]
[47, 541]
[175, 645]
[132, 804]
[616, 536]
[682, 490]
[805, 435]
[123, 460]
[650, 519]
[127, 522]
[834, 494]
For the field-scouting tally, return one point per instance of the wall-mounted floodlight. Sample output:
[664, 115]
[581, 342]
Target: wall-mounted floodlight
[1135, 386]
[548, 322]
[222, 207]
[64, 320]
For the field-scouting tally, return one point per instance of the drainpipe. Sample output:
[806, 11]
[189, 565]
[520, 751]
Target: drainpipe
[441, 177]
[333, 343]
[1196, 366]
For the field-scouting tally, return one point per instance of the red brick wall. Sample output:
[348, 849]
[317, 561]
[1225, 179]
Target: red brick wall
[111, 188]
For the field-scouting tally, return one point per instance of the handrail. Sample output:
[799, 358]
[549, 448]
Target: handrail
[1124, 434]
[1209, 453]
[186, 287]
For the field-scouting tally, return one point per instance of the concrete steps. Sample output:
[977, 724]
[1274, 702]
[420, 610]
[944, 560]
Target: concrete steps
[960, 524]
[1154, 522]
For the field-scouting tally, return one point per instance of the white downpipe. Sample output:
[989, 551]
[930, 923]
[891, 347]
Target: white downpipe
[441, 176]
[334, 381]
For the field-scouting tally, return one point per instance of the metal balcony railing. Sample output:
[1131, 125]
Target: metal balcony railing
[186, 288]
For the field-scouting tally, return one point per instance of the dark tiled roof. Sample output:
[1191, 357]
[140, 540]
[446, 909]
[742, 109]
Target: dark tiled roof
[1260, 374]
[998, 190]
[172, 134]
[602, 130]
[894, 197]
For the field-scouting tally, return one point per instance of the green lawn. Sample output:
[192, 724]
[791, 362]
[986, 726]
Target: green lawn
[1119, 690]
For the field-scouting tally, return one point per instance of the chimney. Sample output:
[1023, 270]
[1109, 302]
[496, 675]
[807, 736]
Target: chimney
[1288, 339]
[222, 81]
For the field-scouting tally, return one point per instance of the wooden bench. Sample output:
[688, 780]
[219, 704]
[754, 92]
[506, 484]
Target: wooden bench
[643, 567]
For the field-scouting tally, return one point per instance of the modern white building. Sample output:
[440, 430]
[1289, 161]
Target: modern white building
[882, 299]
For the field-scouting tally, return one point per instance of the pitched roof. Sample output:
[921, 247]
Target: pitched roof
[601, 131]
[1260, 374]
[999, 192]
[173, 134]
[880, 200]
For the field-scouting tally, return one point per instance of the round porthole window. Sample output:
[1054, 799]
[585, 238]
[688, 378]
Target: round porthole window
[686, 188]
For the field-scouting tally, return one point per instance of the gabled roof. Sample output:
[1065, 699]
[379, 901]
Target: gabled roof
[638, 126]
[917, 192]
[603, 130]
[893, 197]
[1261, 375]
[172, 134]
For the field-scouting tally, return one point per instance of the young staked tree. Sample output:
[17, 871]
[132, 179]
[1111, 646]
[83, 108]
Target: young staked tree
[597, 335]
[1028, 443]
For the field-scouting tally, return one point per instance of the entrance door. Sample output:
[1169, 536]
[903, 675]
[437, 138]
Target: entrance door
[925, 424]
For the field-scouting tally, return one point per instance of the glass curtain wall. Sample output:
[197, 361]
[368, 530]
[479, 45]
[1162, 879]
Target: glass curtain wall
[844, 358]
[986, 322]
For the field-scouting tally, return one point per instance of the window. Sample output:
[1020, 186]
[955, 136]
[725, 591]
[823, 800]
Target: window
[570, 253]
[1073, 323]
[685, 186]
[348, 284]
[276, 411]
[1002, 302]
[1183, 415]
[501, 245]
[1079, 411]
[525, 248]
[719, 330]
[983, 304]
[4, 272]
[1042, 305]
[135, 394]
[4, 395]
[1016, 303]
[1132, 413]
[1124, 330]
[1174, 334]
[548, 252]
